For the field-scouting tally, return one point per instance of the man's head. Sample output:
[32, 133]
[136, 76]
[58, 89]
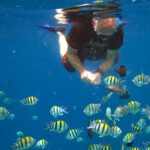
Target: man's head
[105, 26]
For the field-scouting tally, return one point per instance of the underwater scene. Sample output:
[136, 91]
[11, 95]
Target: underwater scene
[75, 75]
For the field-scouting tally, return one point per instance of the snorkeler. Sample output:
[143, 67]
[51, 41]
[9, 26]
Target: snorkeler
[90, 39]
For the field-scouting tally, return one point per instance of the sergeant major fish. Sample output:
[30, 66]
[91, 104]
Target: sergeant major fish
[141, 80]
[24, 143]
[115, 131]
[3, 113]
[112, 81]
[133, 107]
[73, 133]
[56, 111]
[105, 146]
[103, 129]
[41, 143]
[141, 123]
[94, 147]
[120, 112]
[128, 139]
[57, 126]
[136, 128]
[92, 109]
[29, 101]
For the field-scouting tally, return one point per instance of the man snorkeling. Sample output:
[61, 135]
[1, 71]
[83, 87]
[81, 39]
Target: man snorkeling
[90, 39]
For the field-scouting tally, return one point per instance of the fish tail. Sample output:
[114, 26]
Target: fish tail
[22, 101]
[98, 106]
[13, 147]
[48, 126]
[65, 110]
[81, 130]
[121, 82]
[148, 78]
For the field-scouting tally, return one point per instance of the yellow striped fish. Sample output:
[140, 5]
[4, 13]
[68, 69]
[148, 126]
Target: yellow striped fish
[133, 107]
[141, 123]
[105, 147]
[141, 80]
[112, 81]
[3, 113]
[57, 126]
[128, 138]
[73, 133]
[29, 101]
[92, 109]
[115, 131]
[24, 143]
[120, 112]
[94, 147]
[41, 143]
[56, 111]
[136, 128]
[103, 129]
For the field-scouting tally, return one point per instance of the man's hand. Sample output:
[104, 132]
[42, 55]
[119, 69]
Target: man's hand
[97, 78]
[88, 76]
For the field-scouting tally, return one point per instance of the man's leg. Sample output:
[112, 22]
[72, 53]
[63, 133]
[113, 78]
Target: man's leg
[63, 45]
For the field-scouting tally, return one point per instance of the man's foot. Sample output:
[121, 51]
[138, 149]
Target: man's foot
[53, 29]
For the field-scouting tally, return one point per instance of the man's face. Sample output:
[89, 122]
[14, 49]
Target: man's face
[106, 26]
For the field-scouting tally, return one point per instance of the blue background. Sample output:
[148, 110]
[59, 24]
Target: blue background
[30, 65]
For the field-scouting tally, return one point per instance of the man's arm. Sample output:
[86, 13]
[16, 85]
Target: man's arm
[105, 66]
[108, 61]
[74, 60]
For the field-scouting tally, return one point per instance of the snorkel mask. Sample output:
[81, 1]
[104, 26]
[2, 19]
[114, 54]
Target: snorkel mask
[106, 27]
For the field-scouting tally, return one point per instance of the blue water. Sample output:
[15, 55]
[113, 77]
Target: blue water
[30, 65]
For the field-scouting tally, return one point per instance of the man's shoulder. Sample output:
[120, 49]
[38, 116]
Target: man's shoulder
[82, 24]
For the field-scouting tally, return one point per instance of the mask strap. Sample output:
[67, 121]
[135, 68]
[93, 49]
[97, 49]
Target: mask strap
[117, 23]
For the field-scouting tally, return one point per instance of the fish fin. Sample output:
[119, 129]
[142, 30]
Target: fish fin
[121, 82]
[101, 136]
